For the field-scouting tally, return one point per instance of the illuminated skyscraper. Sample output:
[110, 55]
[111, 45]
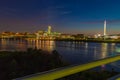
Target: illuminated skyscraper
[105, 28]
[49, 29]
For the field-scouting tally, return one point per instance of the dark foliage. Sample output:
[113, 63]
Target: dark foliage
[18, 64]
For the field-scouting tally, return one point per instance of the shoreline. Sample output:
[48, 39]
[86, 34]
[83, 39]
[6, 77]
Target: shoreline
[77, 40]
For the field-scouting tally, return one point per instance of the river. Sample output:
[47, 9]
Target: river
[71, 51]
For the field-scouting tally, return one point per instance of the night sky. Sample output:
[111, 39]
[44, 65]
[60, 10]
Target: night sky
[66, 16]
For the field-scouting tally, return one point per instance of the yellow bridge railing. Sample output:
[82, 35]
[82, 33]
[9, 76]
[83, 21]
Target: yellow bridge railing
[62, 72]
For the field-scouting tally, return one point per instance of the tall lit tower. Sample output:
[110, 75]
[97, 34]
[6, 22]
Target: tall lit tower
[105, 28]
[49, 29]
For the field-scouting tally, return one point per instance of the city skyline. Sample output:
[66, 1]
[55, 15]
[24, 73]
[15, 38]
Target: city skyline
[65, 16]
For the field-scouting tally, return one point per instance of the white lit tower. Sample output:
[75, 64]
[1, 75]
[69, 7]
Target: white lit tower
[49, 29]
[105, 28]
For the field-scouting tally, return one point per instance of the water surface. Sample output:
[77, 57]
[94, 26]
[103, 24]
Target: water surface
[71, 51]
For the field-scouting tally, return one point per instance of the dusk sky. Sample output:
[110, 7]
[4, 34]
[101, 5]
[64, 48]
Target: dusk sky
[66, 16]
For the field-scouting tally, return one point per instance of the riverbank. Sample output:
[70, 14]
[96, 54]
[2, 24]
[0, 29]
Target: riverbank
[77, 40]
[82, 40]
[18, 63]
[92, 40]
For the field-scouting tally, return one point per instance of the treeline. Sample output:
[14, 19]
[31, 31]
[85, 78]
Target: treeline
[17, 64]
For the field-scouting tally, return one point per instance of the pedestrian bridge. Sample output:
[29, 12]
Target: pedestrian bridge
[62, 72]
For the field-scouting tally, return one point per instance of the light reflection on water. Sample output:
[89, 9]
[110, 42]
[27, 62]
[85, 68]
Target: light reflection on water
[104, 50]
[73, 52]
